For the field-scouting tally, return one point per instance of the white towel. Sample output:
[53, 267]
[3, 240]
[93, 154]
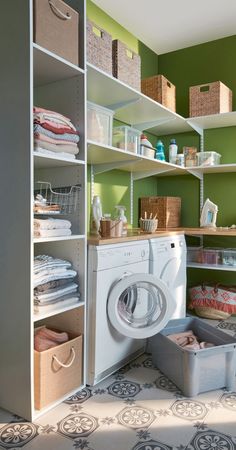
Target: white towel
[54, 275]
[52, 233]
[51, 224]
[57, 293]
[52, 307]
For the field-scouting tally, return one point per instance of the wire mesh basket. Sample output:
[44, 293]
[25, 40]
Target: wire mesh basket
[57, 200]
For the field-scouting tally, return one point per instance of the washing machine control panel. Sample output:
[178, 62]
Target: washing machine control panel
[117, 255]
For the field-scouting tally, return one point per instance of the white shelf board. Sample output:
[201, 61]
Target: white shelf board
[56, 311]
[59, 238]
[42, 161]
[214, 121]
[221, 168]
[49, 67]
[212, 267]
[99, 154]
[132, 106]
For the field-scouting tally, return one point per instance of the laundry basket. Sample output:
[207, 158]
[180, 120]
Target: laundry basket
[60, 200]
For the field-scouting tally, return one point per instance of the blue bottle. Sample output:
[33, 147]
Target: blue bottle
[160, 151]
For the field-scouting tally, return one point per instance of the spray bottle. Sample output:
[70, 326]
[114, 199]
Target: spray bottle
[121, 216]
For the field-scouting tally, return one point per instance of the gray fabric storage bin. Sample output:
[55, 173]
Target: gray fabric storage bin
[196, 371]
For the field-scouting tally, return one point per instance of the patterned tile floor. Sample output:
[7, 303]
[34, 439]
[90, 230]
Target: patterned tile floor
[137, 408]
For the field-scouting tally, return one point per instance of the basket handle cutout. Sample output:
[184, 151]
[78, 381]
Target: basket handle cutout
[97, 32]
[168, 84]
[66, 365]
[58, 12]
[205, 88]
[129, 53]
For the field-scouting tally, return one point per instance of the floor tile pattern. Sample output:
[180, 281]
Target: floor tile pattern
[136, 408]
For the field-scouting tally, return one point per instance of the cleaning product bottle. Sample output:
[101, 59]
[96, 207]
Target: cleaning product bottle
[96, 215]
[160, 151]
[144, 141]
[173, 150]
[121, 216]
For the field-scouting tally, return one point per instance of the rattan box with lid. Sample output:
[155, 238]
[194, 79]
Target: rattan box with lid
[161, 90]
[211, 98]
[126, 64]
[166, 209]
[99, 47]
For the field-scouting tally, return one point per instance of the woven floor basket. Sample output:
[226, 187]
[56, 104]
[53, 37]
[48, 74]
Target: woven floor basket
[211, 313]
[212, 98]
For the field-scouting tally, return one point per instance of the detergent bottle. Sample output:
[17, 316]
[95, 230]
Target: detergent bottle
[96, 215]
[121, 216]
[160, 151]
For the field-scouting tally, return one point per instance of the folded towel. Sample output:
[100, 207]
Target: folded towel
[54, 276]
[63, 303]
[51, 224]
[50, 286]
[57, 148]
[189, 341]
[45, 338]
[46, 114]
[56, 293]
[38, 130]
[43, 151]
[52, 233]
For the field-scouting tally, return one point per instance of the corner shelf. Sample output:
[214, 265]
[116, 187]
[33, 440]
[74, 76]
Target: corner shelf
[211, 267]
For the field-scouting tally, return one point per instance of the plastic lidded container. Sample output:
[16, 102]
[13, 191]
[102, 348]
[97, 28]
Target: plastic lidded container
[208, 158]
[126, 138]
[195, 254]
[212, 255]
[100, 122]
[229, 256]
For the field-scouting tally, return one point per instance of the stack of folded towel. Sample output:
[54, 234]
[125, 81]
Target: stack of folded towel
[53, 283]
[51, 227]
[54, 134]
[44, 338]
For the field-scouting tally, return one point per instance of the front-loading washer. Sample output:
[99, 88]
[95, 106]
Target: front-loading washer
[126, 305]
[168, 263]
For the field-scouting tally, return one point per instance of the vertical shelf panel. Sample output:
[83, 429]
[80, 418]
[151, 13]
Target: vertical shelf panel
[16, 181]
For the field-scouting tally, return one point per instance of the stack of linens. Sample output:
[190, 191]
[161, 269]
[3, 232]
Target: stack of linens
[51, 227]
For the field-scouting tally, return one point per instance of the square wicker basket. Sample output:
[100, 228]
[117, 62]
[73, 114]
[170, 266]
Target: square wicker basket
[126, 65]
[99, 47]
[166, 209]
[161, 90]
[211, 98]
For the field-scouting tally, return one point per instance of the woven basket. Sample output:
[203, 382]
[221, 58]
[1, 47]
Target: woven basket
[211, 313]
[166, 209]
[161, 90]
[99, 47]
[212, 98]
[148, 225]
[126, 65]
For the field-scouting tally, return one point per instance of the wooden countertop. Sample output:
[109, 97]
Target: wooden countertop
[136, 234]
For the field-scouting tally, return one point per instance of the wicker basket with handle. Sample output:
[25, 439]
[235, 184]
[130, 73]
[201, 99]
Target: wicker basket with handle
[99, 47]
[166, 209]
[161, 90]
[126, 64]
[212, 98]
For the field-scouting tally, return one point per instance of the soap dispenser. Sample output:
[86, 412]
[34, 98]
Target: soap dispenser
[121, 216]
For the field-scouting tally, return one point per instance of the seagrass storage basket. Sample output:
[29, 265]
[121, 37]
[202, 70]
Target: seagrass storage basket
[126, 65]
[161, 90]
[56, 28]
[57, 371]
[166, 209]
[211, 98]
[99, 47]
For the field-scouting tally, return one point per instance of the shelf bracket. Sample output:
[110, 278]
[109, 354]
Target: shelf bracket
[196, 174]
[124, 104]
[195, 127]
[101, 168]
[131, 198]
[150, 173]
[151, 124]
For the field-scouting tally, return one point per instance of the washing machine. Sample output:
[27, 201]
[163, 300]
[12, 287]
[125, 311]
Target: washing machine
[126, 305]
[168, 263]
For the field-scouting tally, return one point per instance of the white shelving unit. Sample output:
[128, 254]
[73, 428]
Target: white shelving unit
[34, 76]
[212, 267]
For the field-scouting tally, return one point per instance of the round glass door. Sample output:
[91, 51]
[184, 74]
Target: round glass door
[140, 305]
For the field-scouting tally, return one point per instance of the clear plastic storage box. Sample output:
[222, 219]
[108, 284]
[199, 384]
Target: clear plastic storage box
[100, 122]
[196, 371]
[212, 255]
[194, 254]
[126, 138]
[208, 158]
[229, 256]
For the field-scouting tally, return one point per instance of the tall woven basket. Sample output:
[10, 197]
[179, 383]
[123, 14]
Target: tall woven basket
[126, 64]
[99, 47]
[161, 90]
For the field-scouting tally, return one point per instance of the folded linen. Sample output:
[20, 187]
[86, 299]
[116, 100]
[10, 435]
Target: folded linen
[55, 127]
[50, 286]
[46, 114]
[60, 142]
[54, 276]
[51, 224]
[52, 233]
[56, 148]
[38, 130]
[47, 261]
[189, 341]
[56, 293]
[43, 151]
[45, 338]
[63, 303]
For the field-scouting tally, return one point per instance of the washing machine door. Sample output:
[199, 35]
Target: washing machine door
[140, 305]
